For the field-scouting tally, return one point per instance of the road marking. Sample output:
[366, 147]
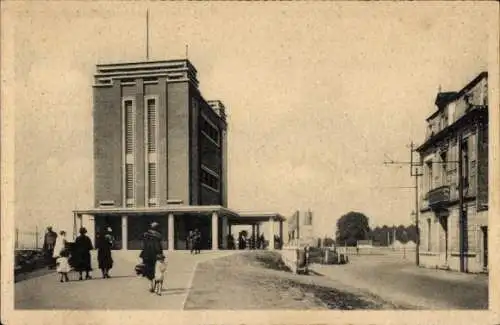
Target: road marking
[190, 284]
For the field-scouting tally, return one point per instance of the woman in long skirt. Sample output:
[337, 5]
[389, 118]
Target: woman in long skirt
[82, 248]
[151, 248]
[104, 258]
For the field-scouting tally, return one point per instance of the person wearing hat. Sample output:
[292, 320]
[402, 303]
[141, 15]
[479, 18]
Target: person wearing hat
[49, 242]
[151, 248]
[82, 248]
[104, 245]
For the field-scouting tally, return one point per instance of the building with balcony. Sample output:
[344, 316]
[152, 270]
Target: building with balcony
[160, 155]
[457, 137]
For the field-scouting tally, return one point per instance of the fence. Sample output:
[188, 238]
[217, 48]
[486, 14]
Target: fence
[377, 250]
[26, 240]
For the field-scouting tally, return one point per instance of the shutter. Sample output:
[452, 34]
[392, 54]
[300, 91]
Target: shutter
[130, 126]
[129, 181]
[152, 180]
[472, 163]
[152, 124]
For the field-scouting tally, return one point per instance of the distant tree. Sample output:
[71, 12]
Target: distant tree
[376, 236]
[327, 242]
[383, 236]
[411, 232]
[401, 234]
[352, 227]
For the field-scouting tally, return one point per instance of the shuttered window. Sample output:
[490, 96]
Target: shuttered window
[152, 182]
[151, 125]
[129, 126]
[472, 163]
[129, 148]
[129, 183]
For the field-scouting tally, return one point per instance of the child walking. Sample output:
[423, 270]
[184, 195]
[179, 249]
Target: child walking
[63, 267]
[160, 268]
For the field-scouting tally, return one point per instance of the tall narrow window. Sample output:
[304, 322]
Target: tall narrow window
[129, 127]
[429, 235]
[151, 147]
[443, 168]
[152, 193]
[129, 184]
[430, 176]
[129, 147]
[152, 124]
[465, 163]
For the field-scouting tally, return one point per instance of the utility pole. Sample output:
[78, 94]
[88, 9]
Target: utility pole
[416, 174]
[461, 218]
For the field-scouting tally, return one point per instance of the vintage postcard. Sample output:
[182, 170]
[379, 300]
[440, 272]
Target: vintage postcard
[250, 162]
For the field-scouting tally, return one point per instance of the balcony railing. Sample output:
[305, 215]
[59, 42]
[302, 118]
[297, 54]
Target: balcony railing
[439, 196]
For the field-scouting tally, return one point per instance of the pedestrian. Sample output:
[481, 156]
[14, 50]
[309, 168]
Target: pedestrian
[190, 241]
[104, 245]
[160, 268]
[151, 248]
[306, 253]
[60, 244]
[49, 243]
[82, 248]
[63, 267]
[197, 241]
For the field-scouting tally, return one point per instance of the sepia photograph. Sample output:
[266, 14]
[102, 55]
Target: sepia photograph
[249, 157]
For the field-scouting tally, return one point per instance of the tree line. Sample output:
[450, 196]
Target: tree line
[354, 226]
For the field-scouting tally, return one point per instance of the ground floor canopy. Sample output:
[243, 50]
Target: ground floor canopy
[175, 222]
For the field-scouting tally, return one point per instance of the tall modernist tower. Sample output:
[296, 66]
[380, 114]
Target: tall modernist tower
[160, 154]
[156, 138]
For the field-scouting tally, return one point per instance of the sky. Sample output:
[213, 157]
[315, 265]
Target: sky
[318, 95]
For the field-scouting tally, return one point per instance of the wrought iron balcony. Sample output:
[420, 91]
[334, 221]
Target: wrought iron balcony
[439, 197]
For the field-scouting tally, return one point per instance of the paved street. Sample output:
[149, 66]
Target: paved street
[259, 280]
[401, 282]
[123, 291]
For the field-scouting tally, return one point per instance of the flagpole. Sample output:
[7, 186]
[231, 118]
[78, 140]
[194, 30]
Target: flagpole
[147, 35]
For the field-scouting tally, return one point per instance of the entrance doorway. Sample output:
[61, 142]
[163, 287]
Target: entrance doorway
[484, 230]
[137, 225]
[112, 221]
[190, 222]
[443, 240]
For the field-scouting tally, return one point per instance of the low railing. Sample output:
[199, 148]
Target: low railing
[28, 240]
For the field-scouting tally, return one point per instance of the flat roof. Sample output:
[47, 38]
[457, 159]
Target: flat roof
[173, 208]
[235, 216]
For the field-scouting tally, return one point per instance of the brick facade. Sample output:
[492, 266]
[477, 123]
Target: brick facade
[182, 149]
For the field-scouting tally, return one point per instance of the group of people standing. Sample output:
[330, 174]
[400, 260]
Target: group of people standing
[194, 241]
[65, 255]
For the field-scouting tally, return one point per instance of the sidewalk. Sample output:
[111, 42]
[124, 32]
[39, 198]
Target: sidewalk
[123, 291]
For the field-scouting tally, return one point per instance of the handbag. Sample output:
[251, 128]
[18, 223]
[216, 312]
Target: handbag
[139, 269]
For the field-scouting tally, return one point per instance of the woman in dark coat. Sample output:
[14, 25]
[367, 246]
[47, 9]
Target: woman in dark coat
[104, 245]
[82, 248]
[151, 248]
